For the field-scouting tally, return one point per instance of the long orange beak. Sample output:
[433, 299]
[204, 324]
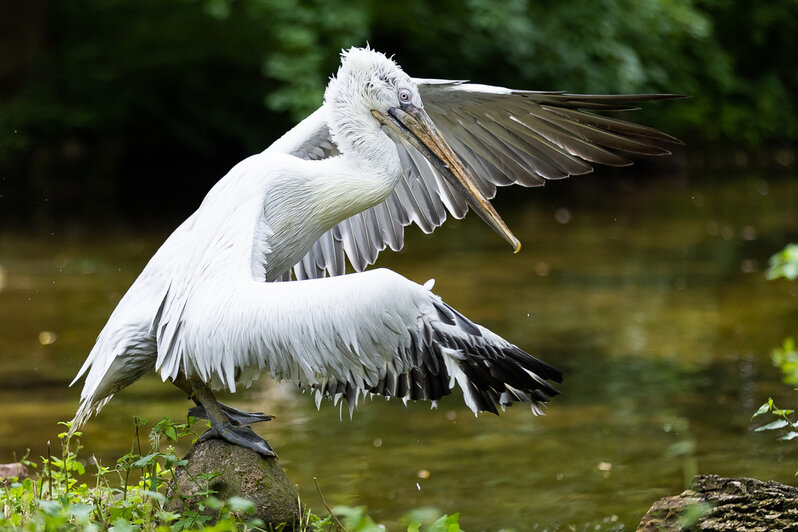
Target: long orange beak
[415, 126]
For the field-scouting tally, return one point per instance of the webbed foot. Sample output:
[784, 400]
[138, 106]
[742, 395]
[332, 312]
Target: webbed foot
[239, 435]
[235, 415]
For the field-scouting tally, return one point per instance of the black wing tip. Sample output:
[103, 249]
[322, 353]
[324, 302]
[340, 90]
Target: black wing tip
[502, 376]
[527, 361]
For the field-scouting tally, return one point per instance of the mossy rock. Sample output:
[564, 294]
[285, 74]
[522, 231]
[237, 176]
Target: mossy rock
[242, 473]
[719, 504]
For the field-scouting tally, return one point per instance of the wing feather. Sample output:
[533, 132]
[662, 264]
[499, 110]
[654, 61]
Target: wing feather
[503, 136]
[347, 336]
[389, 224]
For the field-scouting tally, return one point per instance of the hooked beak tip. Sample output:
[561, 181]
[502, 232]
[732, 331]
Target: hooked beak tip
[415, 126]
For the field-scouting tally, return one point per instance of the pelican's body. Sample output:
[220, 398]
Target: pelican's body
[246, 231]
[206, 310]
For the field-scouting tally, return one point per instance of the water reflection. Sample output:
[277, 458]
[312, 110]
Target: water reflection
[650, 297]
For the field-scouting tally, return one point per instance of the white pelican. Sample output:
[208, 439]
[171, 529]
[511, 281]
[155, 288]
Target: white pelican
[206, 313]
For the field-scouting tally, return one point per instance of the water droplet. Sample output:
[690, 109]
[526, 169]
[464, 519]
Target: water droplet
[542, 268]
[748, 232]
[726, 233]
[698, 200]
[562, 215]
[749, 266]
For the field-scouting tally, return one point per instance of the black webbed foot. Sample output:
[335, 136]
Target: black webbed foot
[241, 436]
[235, 415]
[227, 423]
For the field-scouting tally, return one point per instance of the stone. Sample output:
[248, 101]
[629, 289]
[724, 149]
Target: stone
[715, 503]
[242, 473]
[15, 470]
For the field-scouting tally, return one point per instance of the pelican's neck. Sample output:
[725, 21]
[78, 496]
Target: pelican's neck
[362, 142]
[353, 182]
[325, 192]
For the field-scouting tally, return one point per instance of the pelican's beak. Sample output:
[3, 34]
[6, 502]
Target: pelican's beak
[415, 126]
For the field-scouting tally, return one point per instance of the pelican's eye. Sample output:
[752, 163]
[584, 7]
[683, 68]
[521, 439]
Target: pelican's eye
[404, 95]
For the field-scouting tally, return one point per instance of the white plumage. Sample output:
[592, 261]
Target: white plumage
[208, 309]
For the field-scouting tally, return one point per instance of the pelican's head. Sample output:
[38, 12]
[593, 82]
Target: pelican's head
[372, 91]
[368, 80]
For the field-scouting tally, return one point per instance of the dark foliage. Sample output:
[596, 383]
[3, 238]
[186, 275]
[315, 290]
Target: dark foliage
[138, 106]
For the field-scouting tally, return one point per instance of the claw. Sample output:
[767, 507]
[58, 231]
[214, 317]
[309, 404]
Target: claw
[235, 415]
[241, 436]
[226, 421]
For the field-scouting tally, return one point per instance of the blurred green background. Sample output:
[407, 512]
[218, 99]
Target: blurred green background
[133, 108]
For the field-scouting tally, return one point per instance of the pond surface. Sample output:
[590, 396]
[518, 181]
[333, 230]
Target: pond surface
[648, 292]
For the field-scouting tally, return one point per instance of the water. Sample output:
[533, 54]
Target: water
[647, 292]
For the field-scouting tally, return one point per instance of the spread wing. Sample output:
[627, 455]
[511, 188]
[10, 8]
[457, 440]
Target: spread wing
[324, 334]
[505, 137]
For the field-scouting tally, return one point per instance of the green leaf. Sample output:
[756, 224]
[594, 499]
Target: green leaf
[213, 503]
[790, 435]
[121, 525]
[356, 519]
[81, 512]
[171, 433]
[784, 264]
[423, 515]
[146, 460]
[160, 497]
[447, 523]
[762, 410]
[773, 425]
[693, 513]
[167, 517]
[51, 508]
[239, 504]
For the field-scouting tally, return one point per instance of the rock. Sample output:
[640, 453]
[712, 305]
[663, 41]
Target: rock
[16, 469]
[243, 473]
[716, 503]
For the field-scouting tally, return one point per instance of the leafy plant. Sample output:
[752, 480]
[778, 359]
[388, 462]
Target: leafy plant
[130, 496]
[134, 495]
[784, 420]
[786, 358]
[783, 264]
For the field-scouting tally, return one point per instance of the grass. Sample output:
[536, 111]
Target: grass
[135, 495]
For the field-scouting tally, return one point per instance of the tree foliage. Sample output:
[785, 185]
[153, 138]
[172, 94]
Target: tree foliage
[106, 99]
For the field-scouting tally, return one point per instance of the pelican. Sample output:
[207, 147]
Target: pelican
[384, 150]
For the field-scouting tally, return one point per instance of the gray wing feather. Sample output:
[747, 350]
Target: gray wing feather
[504, 136]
